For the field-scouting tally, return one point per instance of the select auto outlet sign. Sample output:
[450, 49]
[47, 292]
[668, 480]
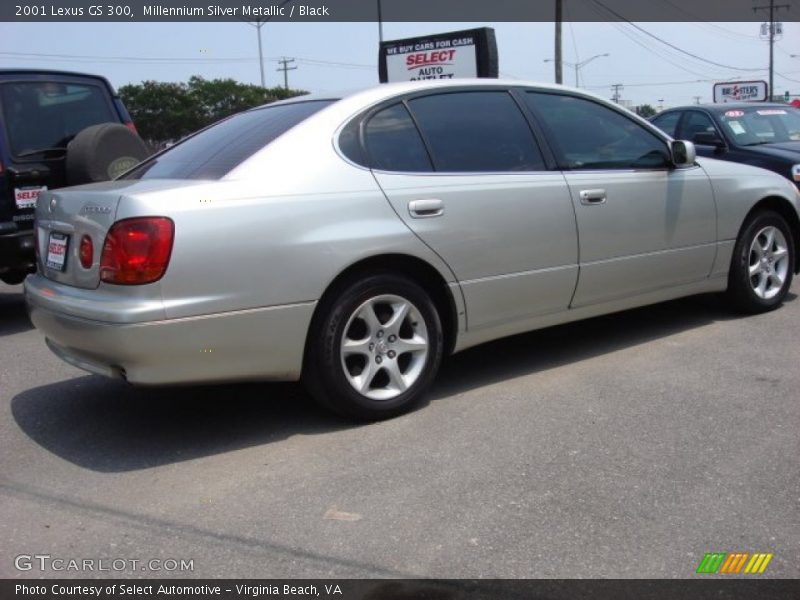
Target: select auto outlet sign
[469, 53]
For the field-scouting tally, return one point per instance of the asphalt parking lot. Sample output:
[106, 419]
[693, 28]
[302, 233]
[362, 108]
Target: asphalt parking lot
[625, 446]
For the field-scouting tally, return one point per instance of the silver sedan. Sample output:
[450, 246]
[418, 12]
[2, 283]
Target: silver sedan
[352, 242]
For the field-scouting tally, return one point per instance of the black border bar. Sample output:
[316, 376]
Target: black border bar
[733, 588]
[462, 11]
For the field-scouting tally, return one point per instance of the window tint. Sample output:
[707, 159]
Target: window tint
[393, 142]
[47, 114]
[215, 151]
[592, 136]
[696, 122]
[667, 123]
[477, 131]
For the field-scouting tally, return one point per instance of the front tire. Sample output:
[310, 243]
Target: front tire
[374, 349]
[762, 266]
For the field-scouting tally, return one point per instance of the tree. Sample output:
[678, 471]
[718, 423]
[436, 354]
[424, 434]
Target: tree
[645, 111]
[161, 111]
[169, 111]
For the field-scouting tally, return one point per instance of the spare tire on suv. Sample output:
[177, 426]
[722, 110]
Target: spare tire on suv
[102, 152]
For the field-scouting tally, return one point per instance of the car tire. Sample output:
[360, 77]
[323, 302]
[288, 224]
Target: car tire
[102, 152]
[14, 277]
[762, 265]
[374, 349]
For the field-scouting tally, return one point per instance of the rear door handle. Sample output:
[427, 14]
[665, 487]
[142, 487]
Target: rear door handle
[597, 196]
[423, 209]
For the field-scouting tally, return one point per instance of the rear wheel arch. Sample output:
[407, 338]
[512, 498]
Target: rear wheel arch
[419, 271]
[784, 208]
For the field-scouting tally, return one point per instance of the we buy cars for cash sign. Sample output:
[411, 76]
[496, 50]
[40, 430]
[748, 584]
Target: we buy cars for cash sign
[470, 53]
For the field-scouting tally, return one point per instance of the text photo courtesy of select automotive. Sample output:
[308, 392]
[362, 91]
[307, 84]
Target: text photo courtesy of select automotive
[518, 304]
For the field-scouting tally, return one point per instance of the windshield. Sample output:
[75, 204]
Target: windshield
[753, 126]
[214, 152]
[41, 116]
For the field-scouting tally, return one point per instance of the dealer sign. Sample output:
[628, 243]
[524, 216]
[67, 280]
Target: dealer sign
[740, 91]
[469, 53]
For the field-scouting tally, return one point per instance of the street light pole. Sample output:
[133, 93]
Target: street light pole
[578, 65]
[258, 24]
[260, 51]
[583, 63]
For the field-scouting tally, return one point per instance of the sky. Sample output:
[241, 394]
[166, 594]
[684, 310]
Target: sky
[342, 56]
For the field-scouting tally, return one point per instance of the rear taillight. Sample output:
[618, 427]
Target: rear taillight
[132, 127]
[137, 251]
[86, 252]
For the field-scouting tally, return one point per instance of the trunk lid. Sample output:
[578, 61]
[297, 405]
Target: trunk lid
[65, 215]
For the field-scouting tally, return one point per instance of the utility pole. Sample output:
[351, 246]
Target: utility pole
[286, 68]
[697, 99]
[557, 60]
[771, 9]
[616, 87]
[380, 23]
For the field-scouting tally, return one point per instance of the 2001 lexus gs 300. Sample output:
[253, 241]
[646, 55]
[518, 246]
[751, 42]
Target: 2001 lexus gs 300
[351, 242]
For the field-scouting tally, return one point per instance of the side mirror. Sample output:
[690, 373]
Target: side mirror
[708, 138]
[683, 153]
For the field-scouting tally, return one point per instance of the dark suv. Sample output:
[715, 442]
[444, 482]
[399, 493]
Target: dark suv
[759, 134]
[56, 129]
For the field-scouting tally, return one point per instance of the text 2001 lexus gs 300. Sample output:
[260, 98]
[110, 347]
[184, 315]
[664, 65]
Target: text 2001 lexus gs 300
[351, 242]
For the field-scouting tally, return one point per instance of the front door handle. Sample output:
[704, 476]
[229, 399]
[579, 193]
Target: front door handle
[423, 209]
[597, 196]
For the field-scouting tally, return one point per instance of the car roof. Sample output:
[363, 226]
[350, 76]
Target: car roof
[389, 90]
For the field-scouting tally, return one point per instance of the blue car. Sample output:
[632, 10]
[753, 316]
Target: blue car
[759, 134]
[56, 129]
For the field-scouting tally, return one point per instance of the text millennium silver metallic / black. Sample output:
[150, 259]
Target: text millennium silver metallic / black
[245, 10]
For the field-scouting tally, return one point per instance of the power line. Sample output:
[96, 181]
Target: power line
[673, 46]
[632, 35]
[174, 60]
[781, 75]
[696, 20]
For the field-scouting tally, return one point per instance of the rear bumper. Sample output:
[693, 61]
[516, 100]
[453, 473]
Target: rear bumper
[16, 251]
[254, 344]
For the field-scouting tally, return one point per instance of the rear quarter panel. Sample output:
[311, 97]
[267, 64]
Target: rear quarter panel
[275, 233]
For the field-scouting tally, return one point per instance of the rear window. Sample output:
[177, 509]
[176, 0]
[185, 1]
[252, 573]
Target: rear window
[215, 151]
[45, 115]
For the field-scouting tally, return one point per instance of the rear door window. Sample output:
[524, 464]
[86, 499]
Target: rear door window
[482, 131]
[46, 115]
[215, 151]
